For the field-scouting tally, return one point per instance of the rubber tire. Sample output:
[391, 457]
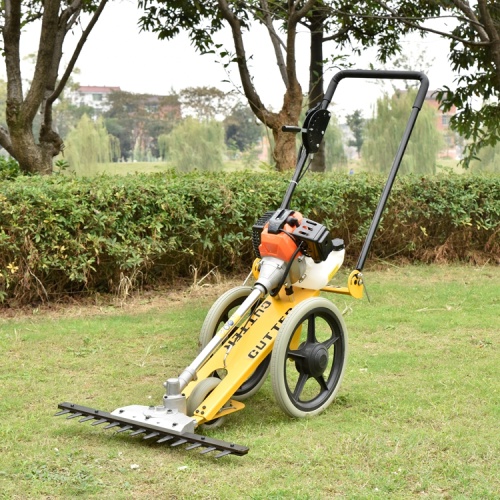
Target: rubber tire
[280, 358]
[216, 317]
[200, 392]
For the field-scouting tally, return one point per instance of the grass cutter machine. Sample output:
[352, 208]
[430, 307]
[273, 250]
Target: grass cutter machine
[280, 325]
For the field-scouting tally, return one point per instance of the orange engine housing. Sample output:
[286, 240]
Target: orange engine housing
[279, 245]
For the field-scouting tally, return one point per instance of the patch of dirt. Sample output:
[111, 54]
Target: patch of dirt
[135, 303]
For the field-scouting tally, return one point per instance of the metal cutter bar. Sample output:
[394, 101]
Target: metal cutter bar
[151, 431]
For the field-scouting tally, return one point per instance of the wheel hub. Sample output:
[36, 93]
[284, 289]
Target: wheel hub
[313, 361]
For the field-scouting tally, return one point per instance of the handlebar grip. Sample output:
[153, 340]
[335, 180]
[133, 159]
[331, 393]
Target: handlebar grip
[291, 128]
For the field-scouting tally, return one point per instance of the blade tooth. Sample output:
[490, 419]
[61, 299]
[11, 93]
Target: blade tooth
[111, 425]
[151, 435]
[178, 443]
[208, 450]
[223, 454]
[62, 412]
[74, 415]
[137, 432]
[125, 428]
[193, 446]
[165, 439]
[86, 419]
[100, 421]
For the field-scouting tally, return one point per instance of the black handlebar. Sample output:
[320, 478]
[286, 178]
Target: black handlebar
[417, 106]
[379, 75]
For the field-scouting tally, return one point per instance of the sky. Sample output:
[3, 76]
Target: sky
[118, 54]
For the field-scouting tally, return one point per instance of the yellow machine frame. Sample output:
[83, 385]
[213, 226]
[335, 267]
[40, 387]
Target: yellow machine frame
[251, 343]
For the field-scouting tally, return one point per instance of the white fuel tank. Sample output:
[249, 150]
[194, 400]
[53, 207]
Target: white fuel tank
[317, 276]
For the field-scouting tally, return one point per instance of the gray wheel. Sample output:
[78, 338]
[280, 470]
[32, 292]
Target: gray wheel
[309, 358]
[217, 316]
[200, 392]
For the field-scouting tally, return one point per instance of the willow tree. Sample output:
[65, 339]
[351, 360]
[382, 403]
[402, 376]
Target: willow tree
[335, 157]
[57, 19]
[89, 144]
[194, 145]
[383, 133]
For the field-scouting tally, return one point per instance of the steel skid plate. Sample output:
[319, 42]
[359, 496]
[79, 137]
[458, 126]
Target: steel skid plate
[150, 431]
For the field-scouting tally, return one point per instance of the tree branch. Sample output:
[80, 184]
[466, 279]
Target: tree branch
[408, 22]
[251, 94]
[471, 18]
[341, 32]
[5, 141]
[44, 58]
[11, 37]
[67, 19]
[297, 15]
[275, 40]
[76, 54]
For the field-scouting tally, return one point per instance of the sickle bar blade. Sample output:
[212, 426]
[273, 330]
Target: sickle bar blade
[160, 434]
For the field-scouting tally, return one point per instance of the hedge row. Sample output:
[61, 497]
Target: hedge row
[62, 235]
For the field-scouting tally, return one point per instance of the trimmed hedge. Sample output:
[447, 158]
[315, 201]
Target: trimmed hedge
[62, 235]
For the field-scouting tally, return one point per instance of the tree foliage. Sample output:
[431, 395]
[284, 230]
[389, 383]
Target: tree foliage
[57, 19]
[241, 130]
[194, 145]
[335, 158]
[137, 120]
[89, 144]
[205, 103]
[383, 135]
[356, 123]
[474, 57]
[489, 160]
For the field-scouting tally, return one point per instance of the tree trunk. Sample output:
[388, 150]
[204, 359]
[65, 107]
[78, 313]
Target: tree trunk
[285, 148]
[58, 18]
[33, 157]
[316, 91]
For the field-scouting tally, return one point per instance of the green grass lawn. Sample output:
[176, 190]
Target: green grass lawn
[145, 167]
[417, 416]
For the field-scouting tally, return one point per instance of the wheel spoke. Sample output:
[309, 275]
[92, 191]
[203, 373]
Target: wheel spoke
[311, 329]
[295, 354]
[328, 343]
[300, 385]
[322, 383]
